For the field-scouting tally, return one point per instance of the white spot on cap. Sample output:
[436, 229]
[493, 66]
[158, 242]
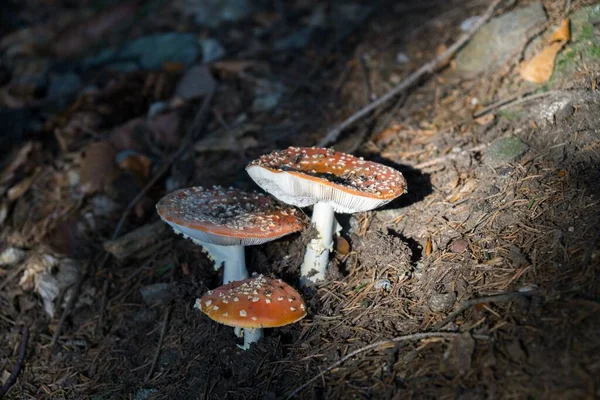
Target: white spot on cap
[243, 313]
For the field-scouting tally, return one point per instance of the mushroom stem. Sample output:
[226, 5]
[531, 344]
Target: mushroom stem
[233, 259]
[316, 257]
[251, 335]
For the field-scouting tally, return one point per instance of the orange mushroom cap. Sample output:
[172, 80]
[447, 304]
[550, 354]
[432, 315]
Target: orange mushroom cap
[349, 183]
[228, 216]
[258, 302]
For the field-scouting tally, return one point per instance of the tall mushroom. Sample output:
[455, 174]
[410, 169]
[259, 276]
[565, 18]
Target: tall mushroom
[253, 304]
[332, 182]
[223, 221]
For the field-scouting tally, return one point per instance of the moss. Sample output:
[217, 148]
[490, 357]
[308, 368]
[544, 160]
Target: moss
[594, 51]
[510, 115]
[587, 32]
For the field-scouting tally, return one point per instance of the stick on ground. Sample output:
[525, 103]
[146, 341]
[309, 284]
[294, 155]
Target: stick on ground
[14, 374]
[414, 336]
[412, 79]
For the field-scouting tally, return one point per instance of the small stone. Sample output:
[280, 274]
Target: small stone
[468, 23]
[459, 246]
[144, 394]
[504, 150]
[442, 302]
[402, 58]
[212, 50]
[384, 284]
[11, 256]
[485, 51]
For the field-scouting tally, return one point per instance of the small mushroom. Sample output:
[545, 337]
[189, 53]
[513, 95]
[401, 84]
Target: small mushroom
[253, 304]
[223, 221]
[332, 182]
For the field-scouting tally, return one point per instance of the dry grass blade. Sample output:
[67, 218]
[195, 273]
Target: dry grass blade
[414, 336]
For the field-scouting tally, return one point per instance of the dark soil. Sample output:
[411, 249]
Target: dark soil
[470, 226]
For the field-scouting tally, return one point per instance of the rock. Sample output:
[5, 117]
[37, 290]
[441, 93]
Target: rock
[156, 293]
[499, 39]
[11, 256]
[441, 302]
[468, 23]
[582, 51]
[63, 85]
[211, 50]
[504, 150]
[150, 52]
[213, 13]
[459, 246]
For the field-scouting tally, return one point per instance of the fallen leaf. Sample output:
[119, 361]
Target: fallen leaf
[98, 168]
[342, 247]
[19, 189]
[539, 69]
[136, 163]
[562, 33]
[484, 120]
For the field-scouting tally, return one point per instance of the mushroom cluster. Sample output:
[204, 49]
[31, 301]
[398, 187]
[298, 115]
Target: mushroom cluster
[223, 221]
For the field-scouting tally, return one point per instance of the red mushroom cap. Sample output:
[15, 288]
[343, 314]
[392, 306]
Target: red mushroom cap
[349, 183]
[258, 302]
[228, 216]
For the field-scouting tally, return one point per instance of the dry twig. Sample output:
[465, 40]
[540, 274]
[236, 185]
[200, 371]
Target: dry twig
[18, 365]
[414, 336]
[412, 79]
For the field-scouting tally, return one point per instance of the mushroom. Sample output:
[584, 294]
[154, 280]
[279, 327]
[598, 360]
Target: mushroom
[253, 304]
[332, 182]
[223, 221]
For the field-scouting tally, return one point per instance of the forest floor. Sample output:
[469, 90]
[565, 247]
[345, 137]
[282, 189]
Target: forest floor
[492, 257]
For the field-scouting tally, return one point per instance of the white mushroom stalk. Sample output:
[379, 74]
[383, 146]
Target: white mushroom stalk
[332, 182]
[232, 258]
[316, 257]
